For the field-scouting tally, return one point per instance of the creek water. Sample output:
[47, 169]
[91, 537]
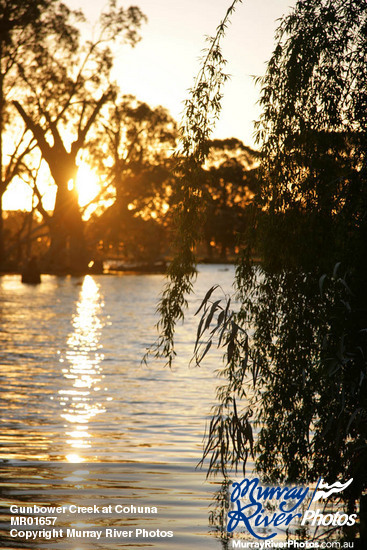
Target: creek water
[84, 422]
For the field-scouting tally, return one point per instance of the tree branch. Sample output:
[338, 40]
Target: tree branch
[14, 165]
[37, 131]
[82, 133]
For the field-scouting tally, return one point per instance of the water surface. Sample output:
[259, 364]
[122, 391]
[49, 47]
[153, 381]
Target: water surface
[74, 394]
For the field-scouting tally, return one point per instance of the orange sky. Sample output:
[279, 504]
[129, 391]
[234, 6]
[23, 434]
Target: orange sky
[162, 66]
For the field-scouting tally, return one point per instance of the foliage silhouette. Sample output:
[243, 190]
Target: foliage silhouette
[136, 162]
[229, 183]
[201, 110]
[23, 25]
[65, 84]
[296, 348]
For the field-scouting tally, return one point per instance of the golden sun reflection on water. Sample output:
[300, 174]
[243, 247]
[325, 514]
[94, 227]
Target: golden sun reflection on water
[74, 458]
[84, 372]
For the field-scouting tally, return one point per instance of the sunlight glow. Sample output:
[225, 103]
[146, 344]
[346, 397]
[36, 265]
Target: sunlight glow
[84, 372]
[74, 458]
[87, 184]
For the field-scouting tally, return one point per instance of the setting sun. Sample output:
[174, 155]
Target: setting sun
[87, 184]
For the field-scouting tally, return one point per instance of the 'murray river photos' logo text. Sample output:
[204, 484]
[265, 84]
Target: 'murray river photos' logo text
[250, 498]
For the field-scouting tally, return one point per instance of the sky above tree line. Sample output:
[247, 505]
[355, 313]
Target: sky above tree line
[161, 68]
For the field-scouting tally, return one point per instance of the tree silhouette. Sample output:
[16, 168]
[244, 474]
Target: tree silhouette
[229, 183]
[295, 352]
[135, 158]
[23, 25]
[66, 82]
[310, 311]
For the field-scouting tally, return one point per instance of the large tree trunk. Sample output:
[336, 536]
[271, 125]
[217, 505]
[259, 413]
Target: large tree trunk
[68, 251]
